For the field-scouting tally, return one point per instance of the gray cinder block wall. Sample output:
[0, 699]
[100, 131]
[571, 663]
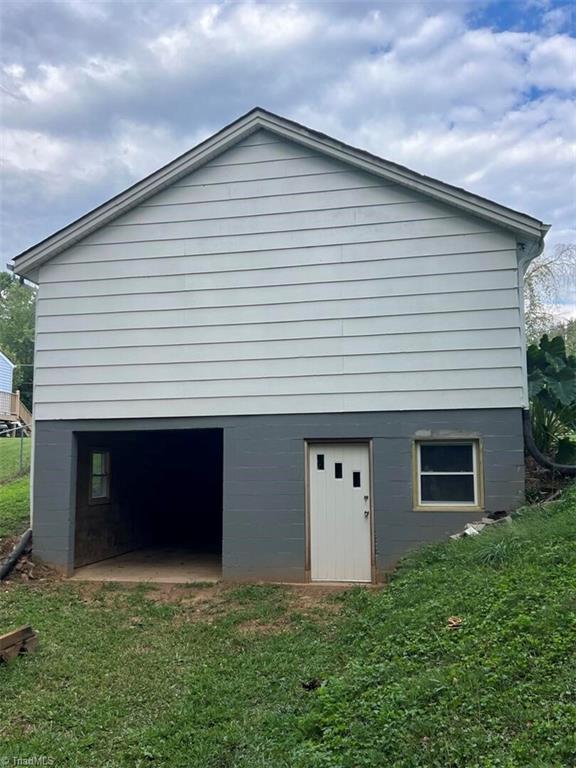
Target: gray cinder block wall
[264, 528]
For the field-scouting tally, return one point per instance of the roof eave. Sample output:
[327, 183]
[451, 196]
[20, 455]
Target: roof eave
[506, 217]
[36, 255]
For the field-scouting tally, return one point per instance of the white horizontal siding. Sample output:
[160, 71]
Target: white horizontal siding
[275, 280]
[229, 238]
[480, 248]
[338, 309]
[261, 136]
[411, 329]
[338, 272]
[326, 403]
[202, 194]
[295, 365]
[272, 223]
[147, 352]
[268, 205]
[342, 383]
[188, 296]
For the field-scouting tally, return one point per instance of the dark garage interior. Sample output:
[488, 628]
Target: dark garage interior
[150, 500]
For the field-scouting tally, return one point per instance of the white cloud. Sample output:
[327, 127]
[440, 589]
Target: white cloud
[249, 30]
[553, 63]
[132, 151]
[462, 113]
[86, 9]
[116, 90]
[52, 83]
[14, 70]
[558, 19]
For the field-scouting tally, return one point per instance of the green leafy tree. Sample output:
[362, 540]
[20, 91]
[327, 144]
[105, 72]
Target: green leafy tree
[552, 390]
[17, 317]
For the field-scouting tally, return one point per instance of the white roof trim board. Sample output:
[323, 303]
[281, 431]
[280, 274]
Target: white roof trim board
[258, 118]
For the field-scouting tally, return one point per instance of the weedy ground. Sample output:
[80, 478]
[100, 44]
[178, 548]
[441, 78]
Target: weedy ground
[465, 660]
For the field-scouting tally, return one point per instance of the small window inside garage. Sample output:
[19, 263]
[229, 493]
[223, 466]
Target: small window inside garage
[153, 491]
[99, 477]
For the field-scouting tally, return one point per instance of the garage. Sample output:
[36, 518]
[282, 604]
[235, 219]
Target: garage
[149, 505]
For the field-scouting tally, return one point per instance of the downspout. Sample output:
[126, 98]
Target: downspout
[529, 442]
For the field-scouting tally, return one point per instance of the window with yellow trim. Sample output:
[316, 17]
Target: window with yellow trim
[447, 473]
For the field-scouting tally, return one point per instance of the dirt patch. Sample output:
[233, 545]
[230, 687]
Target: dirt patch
[26, 568]
[90, 592]
[183, 594]
[542, 483]
[255, 627]
[21, 725]
[195, 603]
[309, 598]
[206, 603]
[7, 544]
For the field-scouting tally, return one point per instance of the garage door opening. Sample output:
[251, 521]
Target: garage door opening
[149, 506]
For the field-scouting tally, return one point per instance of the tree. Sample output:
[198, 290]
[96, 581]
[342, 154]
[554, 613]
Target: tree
[552, 390]
[547, 278]
[568, 332]
[17, 318]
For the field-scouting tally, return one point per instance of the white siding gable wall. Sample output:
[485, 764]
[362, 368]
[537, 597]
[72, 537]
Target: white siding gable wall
[277, 280]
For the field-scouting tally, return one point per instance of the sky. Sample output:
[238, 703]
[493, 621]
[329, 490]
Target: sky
[95, 95]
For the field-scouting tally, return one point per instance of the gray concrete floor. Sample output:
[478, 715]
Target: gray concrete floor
[161, 565]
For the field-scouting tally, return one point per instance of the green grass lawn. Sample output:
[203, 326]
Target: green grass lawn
[14, 507]
[212, 677]
[11, 463]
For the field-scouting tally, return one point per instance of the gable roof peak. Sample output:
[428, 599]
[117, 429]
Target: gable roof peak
[258, 117]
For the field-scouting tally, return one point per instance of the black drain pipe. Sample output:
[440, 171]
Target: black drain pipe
[536, 453]
[18, 550]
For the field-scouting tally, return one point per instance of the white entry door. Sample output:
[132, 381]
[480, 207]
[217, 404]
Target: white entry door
[340, 512]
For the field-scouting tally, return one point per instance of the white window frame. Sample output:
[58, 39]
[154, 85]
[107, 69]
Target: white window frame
[106, 474]
[454, 506]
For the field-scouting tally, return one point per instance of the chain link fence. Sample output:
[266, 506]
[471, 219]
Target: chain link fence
[14, 454]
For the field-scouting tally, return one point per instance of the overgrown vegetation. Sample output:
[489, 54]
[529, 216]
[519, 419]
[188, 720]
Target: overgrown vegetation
[552, 389]
[497, 691]
[14, 507]
[213, 678]
[17, 308]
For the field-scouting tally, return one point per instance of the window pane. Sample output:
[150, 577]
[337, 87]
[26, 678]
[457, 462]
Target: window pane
[98, 490]
[453, 488]
[356, 479]
[338, 470]
[97, 463]
[320, 461]
[446, 458]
